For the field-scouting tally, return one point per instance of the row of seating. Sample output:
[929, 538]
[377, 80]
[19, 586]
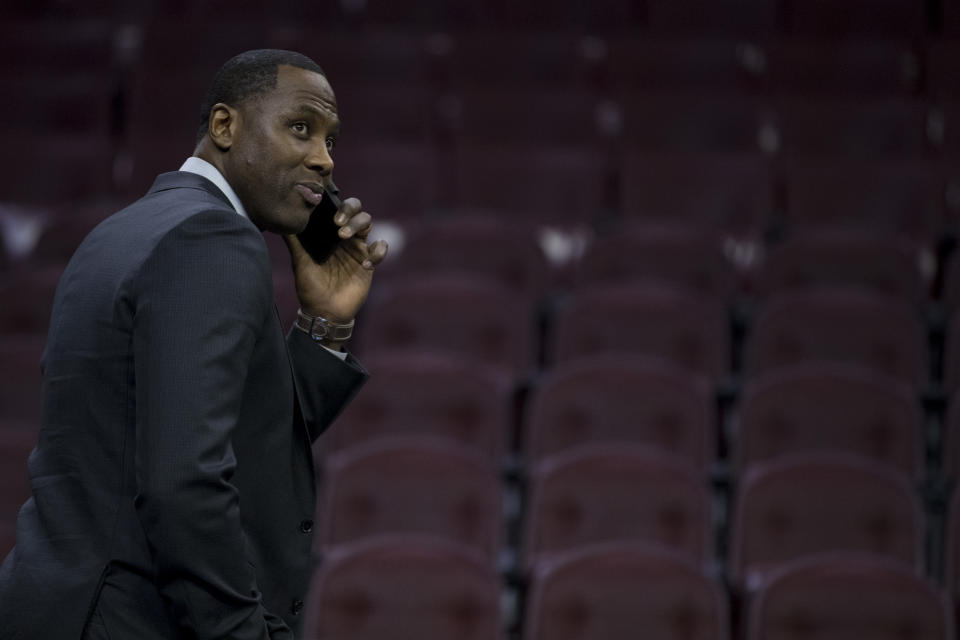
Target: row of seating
[608, 592]
[897, 18]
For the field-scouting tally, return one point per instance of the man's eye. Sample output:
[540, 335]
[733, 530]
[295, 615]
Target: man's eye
[300, 127]
[331, 143]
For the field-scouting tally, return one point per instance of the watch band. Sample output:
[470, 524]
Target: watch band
[322, 329]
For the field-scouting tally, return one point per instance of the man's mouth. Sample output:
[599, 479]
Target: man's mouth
[312, 192]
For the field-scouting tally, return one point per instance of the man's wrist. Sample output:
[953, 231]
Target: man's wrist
[328, 333]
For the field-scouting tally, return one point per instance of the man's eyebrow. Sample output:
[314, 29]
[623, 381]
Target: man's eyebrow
[312, 109]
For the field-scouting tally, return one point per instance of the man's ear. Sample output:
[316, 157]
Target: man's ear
[224, 124]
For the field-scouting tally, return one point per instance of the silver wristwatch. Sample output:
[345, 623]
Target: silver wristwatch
[322, 329]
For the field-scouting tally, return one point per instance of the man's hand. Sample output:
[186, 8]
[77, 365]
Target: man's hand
[336, 288]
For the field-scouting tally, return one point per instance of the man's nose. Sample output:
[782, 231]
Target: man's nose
[320, 160]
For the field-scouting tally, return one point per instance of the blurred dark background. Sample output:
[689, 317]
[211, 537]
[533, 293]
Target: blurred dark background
[667, 342]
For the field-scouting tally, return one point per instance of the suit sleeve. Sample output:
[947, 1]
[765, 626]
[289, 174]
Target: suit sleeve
[201, 300]
[325, 383]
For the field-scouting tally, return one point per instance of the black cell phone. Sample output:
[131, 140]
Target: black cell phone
[320, 237]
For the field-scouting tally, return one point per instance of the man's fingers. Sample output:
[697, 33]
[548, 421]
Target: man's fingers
[348, 208]
[376, 252]
[358, 226]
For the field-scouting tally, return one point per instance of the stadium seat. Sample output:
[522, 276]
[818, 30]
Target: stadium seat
[529, 59]
[15, 448]
[466, 315]
[28, 299]
[892, 197]
[557, 185]
[8, 537]
[672, 63]
[528, 116]
[617, 492]
[883, 264]
[892, 19]
[680, 326]
[943, 65]
[622, 400]
[21, 398]
[70, 103]
[843, 595]
[951, 355]
[810, 503]
[838, 324]
[853, 126]
[950, 441]
[80, 167]
[680, 256]
[428, 395]
[392, 180]
[476, 245]
[850, 66]
[405, 589]
[730, 192]
[617, 591]
[738, 17]
[418, 486]
[691, 121]
[830, 407]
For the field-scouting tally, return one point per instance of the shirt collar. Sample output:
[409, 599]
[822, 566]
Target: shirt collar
[203, 168]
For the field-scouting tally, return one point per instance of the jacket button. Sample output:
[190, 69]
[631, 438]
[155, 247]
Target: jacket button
[296, 607]
[306, 526]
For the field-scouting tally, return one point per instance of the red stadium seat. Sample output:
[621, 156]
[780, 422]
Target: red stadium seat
[404, 589]
[844, 595]
[879, 18]
[617, 492]
[841, 324]
[943, 65]
[534, 117]
[8, 537]
[520, 60]
[46, 102]
[723, 191]
[672, 63]
[691, 121]
[41, 46]
[853, 126]
[883, 264]
[893, 197]
[15, 448]
[811, 503]
[415, 486]
[465, 315]
[28, 299]
[617, 591]
[550, 184]
[21, 398]
[678, 325]
[850, 66]
[831, 407]
[81, 167]
[681, 256]
[480, 246]
[951, 439]
[622, 400]
[951, 354]
[741, 17]
[427, 395]
[392, 180]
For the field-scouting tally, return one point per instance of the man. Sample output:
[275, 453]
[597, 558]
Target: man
[172, 482]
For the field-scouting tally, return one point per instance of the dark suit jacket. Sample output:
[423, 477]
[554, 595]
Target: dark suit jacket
[173, 486]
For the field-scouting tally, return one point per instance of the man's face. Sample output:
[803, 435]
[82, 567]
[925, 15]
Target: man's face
[280, 159]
